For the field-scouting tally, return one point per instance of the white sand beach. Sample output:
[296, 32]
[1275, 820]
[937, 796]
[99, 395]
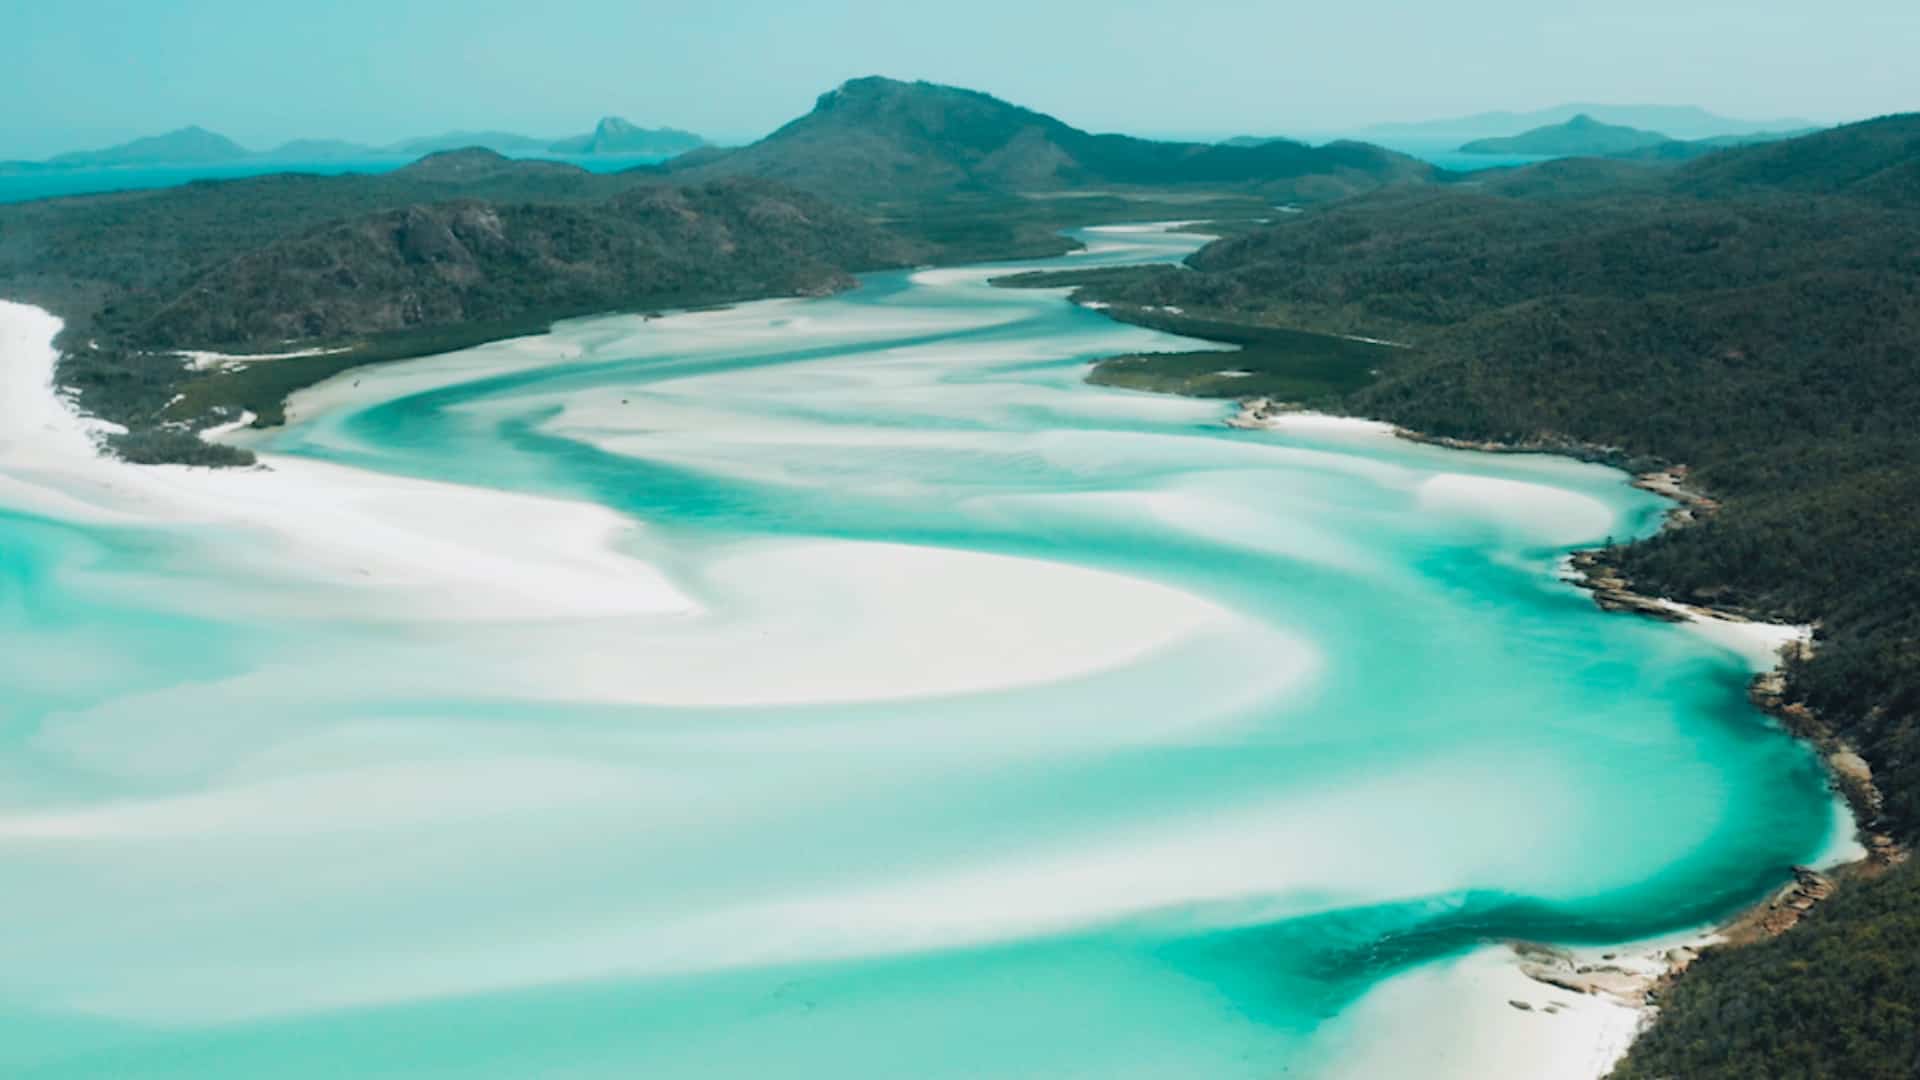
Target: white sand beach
[1457, 1019]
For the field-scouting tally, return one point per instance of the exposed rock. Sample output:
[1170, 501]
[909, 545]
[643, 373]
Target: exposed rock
[1672, 483]
[1561, 970]
[1629, 987]
[1851, 766]
[1784, 910]
[1256, 412]
[1615, 593]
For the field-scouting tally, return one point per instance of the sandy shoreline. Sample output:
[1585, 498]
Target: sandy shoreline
[1628, 977]
[386, 546]
[393, 540]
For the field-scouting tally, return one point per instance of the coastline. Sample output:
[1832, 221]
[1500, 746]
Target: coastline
[1636, 977]
[1673, 613]
[393, 541]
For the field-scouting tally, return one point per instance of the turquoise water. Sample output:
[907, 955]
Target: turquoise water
[1011, 727]
[25, 184]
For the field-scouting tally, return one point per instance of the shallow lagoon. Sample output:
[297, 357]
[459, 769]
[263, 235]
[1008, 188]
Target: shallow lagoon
[834, 688]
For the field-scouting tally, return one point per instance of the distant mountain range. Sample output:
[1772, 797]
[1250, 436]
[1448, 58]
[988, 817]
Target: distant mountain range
[1581, 136]
[198, 146]
[1584, 136]
[1682, 122]
[894, 173]
[187, 146]
[878, 138]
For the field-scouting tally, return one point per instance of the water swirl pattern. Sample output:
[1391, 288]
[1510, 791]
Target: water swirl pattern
[834, 688]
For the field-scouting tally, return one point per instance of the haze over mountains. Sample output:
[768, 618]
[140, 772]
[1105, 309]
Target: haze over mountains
[195, 145]
[877, 138]
[187, 146]
[1584, 136]
[1045, 147]
[1676, 121]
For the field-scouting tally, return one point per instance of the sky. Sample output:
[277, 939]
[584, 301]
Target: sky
[83, 73]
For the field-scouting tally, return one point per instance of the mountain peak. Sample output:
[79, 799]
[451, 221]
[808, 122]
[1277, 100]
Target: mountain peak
[877, 93]
[876, 137]
[1580, 136]
[870, 86]
[618, 135]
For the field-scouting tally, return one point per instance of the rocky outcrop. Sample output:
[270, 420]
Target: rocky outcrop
[1852, 775]
[1627, 980]
[1615, 593]
[1690, 506]
[1257, 412]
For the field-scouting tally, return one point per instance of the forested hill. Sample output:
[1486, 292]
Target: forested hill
[879, 139]
[459, 248]
[1878, 161]
[1755, 316]
[138, 240]
[471, 260]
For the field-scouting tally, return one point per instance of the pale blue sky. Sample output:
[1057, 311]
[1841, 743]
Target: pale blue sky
[77, 73]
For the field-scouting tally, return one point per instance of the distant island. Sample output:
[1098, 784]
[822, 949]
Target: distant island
[616, 136]
[194, 145]
[1584, 136]
[468, 245]
[187, 146]
[1684, 122]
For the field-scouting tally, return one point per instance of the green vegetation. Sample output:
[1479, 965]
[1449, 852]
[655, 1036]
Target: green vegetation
[466, 245]
[877, 139]
[1754, 315]
[1835, 999]
[989, 226]
[263, 388]
[452, 251]
[1266, 361]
